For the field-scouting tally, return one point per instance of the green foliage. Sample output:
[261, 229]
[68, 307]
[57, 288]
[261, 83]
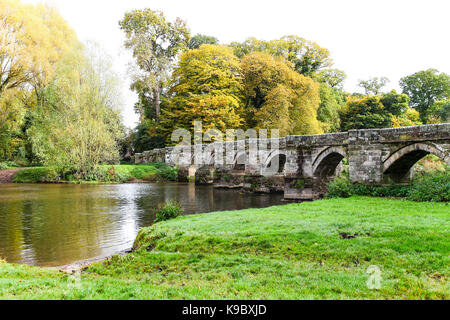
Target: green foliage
[199, 39]
[36, 175]
[104, 173]
[8, 164]
[167, 173]
[444, 112]
[331, 102]
[383, 111]
[307, 57]
[434, 187]
[425, 88]
[395, 104]
[155, 44]
[385, 191]
[439, 112]
[365, 113]
[168, 210]
[299, 184]
[373, 85]
[340, 187]
[334, 78]
[77, 124]
[146, 137]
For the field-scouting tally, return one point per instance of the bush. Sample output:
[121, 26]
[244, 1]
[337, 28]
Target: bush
[431, 188]
[8, 164]
[37, 174]
[168, 210]
[396, 191]
[167, 173]
[340, 187]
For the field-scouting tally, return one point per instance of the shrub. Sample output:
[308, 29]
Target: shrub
[37, 174]
[431, 188]
[396, 191]
[167, 173]
[168, 210]
[340, 187]
[8, 164]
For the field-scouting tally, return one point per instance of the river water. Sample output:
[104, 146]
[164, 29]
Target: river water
[58, 224]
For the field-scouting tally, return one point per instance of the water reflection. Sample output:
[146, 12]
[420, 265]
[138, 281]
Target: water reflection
[50, 225]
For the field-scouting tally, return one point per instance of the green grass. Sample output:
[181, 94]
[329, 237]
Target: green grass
[105, 173]
[296, 251]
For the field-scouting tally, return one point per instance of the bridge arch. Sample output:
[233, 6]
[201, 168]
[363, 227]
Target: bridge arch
[399, 163]
[327, 161]
[203, 158]
[239, 161]
[275, 163]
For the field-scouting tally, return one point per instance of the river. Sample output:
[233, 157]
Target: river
[58, 224]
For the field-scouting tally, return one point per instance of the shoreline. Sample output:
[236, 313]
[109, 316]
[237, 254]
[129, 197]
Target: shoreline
[312, 250]
[82, 264]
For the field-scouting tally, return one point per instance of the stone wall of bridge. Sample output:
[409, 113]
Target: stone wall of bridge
[306, 163]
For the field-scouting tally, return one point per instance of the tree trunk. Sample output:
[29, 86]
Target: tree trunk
[157, 103]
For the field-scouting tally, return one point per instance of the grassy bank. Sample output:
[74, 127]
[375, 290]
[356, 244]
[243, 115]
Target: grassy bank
[314, 250]
[104, 174]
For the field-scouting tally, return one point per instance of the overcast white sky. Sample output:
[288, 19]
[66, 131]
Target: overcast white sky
[390, 38]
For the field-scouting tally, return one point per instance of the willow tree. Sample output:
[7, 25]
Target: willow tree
[155, 43]
[278, 97]
[207, 87]
[76, 125]
[33, 39]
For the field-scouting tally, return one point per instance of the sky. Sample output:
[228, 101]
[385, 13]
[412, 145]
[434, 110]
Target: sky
[380, 38]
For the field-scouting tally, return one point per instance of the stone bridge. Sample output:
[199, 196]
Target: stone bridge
[299, 166]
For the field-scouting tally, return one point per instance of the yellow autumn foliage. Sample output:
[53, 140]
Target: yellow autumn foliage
[207, 87]
[32, 40]
[278, 97]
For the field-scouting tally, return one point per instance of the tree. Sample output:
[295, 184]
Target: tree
[424, 88]
[444, 112]
[207, 87]
[76, 124]
[373, 85]
[394, 103]
[146, 136]
[334, 78]
[12, 115]
[331, 101]
[306, 56]
[365, 113]
[410, 117]
[155, 43]
[199, 39]
[32, 40]
[439, 112]
[276, 96]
